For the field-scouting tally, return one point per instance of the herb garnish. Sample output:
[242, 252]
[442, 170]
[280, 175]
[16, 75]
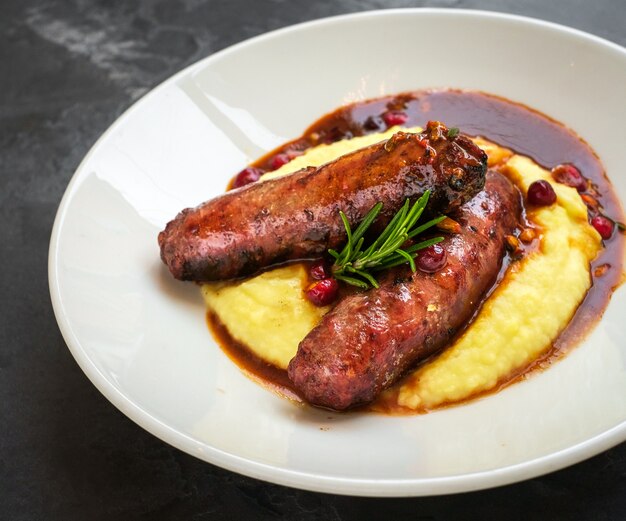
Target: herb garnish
[452, 132]
[354, 265]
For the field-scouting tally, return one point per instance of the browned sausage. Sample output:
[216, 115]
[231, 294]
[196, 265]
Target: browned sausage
[371, 338]
[297, 216]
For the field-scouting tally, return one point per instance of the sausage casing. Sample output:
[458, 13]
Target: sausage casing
[297, 216]
[371, 338]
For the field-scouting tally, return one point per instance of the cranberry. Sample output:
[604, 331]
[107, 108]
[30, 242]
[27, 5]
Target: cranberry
[541, 193]
[431, 259]
[395, 117]
[322, 292]
[279, 160]
[603, 225]
[247, 176]
[569, 175]
[320, 270]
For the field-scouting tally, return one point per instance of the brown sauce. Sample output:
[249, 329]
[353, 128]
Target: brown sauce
[511, 125]
[252, 365]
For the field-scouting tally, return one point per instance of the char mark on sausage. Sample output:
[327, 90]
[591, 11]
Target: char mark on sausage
[371, 338]
[297, 216]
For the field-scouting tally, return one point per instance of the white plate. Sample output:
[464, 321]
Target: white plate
[141, 337]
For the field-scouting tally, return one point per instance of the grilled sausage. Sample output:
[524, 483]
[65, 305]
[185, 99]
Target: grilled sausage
[371, 338]
[297, 216]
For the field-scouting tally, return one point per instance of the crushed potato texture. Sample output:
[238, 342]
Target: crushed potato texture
[267, 313]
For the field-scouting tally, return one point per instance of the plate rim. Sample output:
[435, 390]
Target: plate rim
[310, 480]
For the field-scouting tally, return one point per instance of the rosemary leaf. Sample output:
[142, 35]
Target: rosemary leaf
[424, 244]
[388, 229]
[367, 221]
[352, 281]
[397, 259]
[408, 258]
[354, 266]
[426, 225]
[363, 274]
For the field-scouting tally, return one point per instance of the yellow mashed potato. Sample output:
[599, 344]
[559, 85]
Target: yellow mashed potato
[516, 325]
[268, 313]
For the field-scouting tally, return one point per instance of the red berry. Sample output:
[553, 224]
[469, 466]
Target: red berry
[569, 175]
[247, 176]
[320, 270]
[431, 259]
[322, 292]
[395, 117]
[279, 160]
[541, 193]
[603, 225]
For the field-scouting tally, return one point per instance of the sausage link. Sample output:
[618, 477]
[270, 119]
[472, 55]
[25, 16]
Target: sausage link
[371, 338]
[297, 216]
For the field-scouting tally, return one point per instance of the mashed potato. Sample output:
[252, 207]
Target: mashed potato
[518, 323]
[268, 313]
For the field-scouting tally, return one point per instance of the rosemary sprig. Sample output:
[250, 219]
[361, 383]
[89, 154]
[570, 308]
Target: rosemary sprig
[354, 265]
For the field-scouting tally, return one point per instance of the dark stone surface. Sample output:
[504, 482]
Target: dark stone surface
[67, 70]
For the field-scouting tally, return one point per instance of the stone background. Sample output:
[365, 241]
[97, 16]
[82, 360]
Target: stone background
[68, 68]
